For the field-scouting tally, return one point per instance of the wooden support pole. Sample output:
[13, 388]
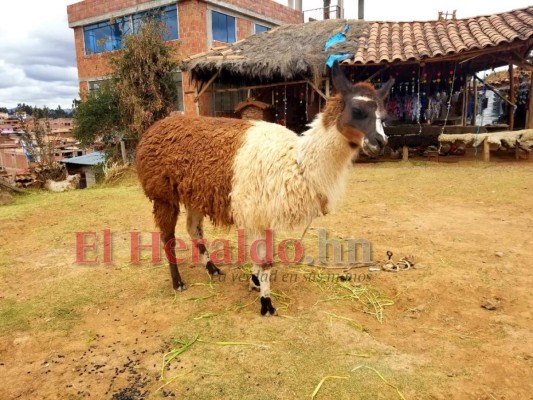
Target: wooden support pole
[529, 124]
[405, 153]
[517, 150]
[317, 89]
[465, 100]
[196, 105]
[474, 111]
[328, 90]
[206, 86]
[511, 97]
[486, 150]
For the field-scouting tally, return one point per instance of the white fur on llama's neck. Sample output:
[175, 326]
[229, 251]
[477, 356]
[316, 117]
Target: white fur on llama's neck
[325, 157]
[280, 180]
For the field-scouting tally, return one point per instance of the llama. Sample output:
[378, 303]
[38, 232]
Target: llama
[254, 174]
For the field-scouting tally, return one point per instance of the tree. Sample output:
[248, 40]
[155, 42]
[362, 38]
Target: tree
[143, 77]
[142, 89]
[97, 116]
[3, 110]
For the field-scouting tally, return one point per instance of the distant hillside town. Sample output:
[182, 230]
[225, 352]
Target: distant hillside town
[27, 142]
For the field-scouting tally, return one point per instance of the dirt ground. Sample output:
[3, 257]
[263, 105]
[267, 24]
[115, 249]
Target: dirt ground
[458, 326]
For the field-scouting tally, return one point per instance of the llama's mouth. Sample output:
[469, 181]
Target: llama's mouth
[371, 150]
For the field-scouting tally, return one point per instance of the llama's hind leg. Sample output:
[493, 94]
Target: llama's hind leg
[264, 282]
[195, 227]
[260, 279]
[166, 216]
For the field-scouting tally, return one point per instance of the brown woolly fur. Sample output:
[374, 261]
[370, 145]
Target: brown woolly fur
[189, 160]
[333, 111]
[365, 87]
[353, 135]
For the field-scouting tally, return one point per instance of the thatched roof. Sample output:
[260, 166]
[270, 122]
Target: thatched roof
[293, 51]
[285, 52]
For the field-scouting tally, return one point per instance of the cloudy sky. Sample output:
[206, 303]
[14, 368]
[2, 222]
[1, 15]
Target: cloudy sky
[37, 58]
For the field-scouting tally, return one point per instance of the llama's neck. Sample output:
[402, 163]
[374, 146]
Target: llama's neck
[325, 156]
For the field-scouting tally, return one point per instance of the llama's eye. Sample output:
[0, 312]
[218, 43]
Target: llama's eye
[357, 113]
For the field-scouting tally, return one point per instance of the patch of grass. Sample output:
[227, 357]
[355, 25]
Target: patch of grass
[15, 316]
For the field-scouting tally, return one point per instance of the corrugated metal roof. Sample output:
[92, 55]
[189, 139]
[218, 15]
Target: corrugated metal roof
[93, 158]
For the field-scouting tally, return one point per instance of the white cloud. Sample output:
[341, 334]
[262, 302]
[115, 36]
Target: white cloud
[37, 55]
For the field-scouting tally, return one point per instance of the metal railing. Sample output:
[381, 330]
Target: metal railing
[319, 14]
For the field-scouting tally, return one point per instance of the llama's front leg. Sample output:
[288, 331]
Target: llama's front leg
[196, 232]
[264, 281]
[254, 279]
[166, 216]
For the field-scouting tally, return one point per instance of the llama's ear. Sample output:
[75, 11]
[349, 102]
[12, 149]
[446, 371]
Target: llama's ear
[341, 83]
[384, 90]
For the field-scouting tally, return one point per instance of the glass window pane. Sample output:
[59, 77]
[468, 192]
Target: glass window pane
[171, 21]
[231, 29]
[223, 27]
[105, 36]
[261, 28]
[168, 15]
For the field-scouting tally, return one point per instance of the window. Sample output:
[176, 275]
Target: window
[261, 28]
[94, 86]
[223, 27]
[107, 35]
[225, 102]
[168, 15]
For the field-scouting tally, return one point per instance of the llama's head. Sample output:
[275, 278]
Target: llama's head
[359, 112]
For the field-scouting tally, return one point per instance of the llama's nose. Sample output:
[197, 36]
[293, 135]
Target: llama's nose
[382, 141]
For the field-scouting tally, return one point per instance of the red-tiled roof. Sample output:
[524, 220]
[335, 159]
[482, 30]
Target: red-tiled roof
[404, 41]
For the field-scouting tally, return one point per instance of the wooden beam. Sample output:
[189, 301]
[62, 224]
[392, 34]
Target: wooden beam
[496, 92]
[328, 91]
[511, 96]
[206, 86]
[270, 85]
[517, 59]
[9, 186]
[316, 89]
[379, 71]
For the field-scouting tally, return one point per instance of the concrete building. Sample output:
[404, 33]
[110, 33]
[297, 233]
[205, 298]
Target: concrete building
[195, 25]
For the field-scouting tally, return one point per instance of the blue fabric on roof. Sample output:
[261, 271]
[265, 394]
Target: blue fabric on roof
[337, 38]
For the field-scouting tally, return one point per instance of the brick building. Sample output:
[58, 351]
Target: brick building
[197, 25]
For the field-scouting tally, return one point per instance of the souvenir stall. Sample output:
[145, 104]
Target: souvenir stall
[438, 67]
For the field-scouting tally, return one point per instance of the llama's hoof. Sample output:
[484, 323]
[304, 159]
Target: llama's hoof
[180, 287]
[254, 283]
[213, 269]
[266, 307]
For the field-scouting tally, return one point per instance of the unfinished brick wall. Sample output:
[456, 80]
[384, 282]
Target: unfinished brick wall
[193, 35]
